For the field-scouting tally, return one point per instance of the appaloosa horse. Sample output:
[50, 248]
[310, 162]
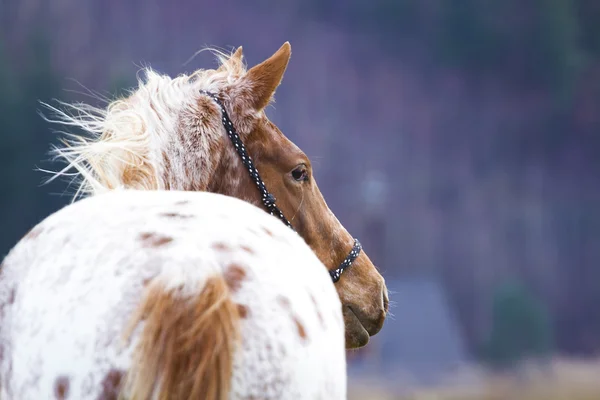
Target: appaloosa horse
[167, 295]
[208, 132]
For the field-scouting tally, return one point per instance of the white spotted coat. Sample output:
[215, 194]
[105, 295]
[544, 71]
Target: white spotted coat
[69, 287]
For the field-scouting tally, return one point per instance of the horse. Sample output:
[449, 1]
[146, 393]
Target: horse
[208, 131]
[168, 294]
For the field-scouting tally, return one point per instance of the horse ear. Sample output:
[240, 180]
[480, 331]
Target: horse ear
[238, 54]
[236, 57]
[264, 78]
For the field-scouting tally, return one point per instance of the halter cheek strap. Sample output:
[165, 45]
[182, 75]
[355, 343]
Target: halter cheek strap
[267, 198]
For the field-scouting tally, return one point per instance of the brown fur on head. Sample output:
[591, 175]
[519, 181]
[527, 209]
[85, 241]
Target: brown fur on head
[185, 349]
[288, 174]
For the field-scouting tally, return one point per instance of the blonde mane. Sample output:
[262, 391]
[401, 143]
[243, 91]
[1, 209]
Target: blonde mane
[120, 145]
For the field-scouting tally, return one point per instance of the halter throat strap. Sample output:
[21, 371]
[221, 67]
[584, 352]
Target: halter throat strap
[267, 198]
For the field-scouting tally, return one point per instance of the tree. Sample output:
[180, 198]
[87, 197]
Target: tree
[520, 327]
[24, 142]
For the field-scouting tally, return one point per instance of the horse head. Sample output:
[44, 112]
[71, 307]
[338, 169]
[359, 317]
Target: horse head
[172, 134]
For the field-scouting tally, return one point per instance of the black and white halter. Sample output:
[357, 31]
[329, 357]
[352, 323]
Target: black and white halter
[268, 199]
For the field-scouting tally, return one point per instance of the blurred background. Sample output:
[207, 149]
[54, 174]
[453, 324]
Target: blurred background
[458, 139]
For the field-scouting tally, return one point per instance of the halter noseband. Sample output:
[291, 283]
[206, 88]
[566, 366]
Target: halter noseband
[268, 199]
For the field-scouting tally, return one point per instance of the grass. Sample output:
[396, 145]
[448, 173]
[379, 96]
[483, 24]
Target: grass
[563, 380]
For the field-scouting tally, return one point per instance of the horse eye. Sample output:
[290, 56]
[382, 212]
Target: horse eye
[300, 174]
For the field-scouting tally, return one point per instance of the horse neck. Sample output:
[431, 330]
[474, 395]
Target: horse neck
[218, 171]
[190, 160]
[200, 157]
[230, 178]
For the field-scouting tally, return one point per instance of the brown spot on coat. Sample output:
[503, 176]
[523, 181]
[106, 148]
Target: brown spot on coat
[268, 231]
[111, 385]
[182, 202]
[247, 249]
[175, 215]
[34, 232]
[242, 310]
[12, 295]
[234, 275]
[300, 327]
[155, 240]
[319, 315]
[221, 246]
[61, 388]
[284, 301]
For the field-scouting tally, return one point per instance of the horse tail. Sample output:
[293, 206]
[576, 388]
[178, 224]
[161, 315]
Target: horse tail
[186, 346]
